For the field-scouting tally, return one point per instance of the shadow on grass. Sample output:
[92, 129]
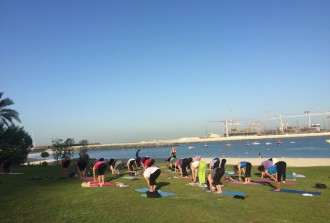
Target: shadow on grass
[268, 184]
[258, 174]
[162, 184]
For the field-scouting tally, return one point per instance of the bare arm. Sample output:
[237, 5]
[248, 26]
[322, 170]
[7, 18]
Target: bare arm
[270, 175]
[94, 174]
[112, 170]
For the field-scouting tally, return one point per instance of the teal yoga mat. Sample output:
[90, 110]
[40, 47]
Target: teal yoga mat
[232, 193]
[298, 191]
[162, 193]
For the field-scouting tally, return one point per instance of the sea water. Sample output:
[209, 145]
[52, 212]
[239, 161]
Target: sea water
[306, 147]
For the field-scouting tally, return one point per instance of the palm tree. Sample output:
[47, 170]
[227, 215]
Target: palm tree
[7, 116]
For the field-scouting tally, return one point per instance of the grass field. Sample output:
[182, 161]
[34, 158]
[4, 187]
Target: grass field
[53, 199]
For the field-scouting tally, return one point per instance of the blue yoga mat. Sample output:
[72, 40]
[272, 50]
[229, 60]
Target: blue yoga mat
[298, 191]
[232, 193]
[162, 193]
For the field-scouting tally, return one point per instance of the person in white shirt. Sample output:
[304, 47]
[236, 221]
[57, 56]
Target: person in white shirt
[194, 167]
[132, 167]
[151, 174]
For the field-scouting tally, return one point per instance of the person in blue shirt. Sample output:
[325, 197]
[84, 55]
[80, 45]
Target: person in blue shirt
[279, 169]
[244, 167]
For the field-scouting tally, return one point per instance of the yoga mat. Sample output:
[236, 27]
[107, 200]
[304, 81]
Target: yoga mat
[131, 178]
[230, 173]
[175, 177]
[162, 193]
[242, 182]
[96, 184]
[298, 191]
[86, 178]
[271, 181]
[294, 175]
[299, 175]
[232, 193]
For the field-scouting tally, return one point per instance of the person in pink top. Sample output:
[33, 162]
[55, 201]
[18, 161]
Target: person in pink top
[101, 167]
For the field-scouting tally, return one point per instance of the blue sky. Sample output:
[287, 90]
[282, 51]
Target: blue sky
[126, 71]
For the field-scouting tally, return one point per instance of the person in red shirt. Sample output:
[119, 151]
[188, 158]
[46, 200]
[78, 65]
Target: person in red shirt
[101, 167]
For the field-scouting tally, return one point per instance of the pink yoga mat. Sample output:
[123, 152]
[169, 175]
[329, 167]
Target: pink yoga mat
[271, 181]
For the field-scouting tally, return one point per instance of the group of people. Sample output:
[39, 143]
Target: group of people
[150, 172]
[270, 168]
[99, 168]
[193, 166]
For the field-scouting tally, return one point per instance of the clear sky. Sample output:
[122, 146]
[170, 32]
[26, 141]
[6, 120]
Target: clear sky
[131, 70]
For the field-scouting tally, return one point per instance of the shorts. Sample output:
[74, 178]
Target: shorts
[82, 165]
[102, 168]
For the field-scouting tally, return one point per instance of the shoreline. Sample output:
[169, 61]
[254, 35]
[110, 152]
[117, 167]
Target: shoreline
[173, 142]
[291, 162]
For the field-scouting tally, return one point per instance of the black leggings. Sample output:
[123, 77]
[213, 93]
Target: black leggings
[219, 172]
[185, 164]
[281, 171]
[248, 169]
[154, 176]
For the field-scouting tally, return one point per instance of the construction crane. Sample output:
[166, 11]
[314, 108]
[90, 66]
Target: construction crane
[307, 114]
[258, 122]
[226, 123]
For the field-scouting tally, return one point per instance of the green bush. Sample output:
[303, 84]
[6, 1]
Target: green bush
[44, 154]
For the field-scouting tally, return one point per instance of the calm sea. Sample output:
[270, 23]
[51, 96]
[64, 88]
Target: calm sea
[308, 147]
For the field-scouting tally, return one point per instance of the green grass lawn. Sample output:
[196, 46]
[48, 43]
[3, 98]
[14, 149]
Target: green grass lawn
[23, 199]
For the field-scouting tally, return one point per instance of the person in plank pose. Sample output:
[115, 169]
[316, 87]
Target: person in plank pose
[244, 167]
[279, 169]
[151, 174]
